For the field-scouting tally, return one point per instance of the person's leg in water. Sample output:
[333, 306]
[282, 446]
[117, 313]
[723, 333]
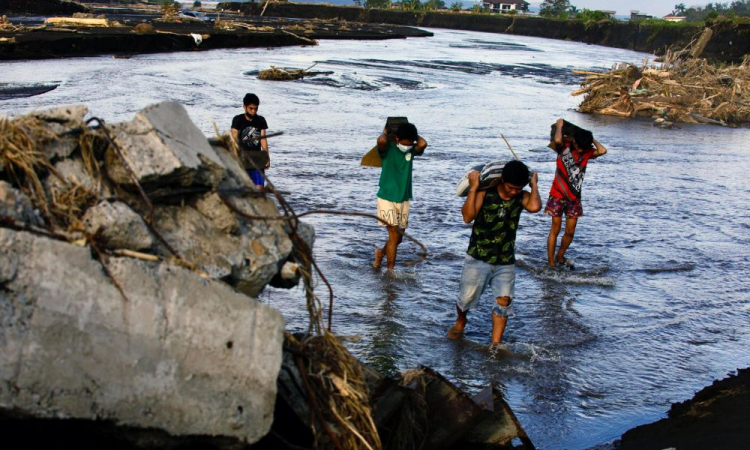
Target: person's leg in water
[498, 321]
[457, 329]
[503, 289]
[570, 230]
[554, 231]
[474, 279]
[389, 250]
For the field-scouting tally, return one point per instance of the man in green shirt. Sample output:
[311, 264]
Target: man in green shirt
[397, 155]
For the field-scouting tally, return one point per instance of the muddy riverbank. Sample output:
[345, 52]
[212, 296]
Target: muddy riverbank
[730, 41]
[716, 417]
[128, 37]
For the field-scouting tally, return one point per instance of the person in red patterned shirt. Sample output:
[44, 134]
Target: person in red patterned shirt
[573, 155]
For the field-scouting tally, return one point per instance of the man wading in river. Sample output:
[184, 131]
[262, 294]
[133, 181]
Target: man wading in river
[490, 259]
[573, 154]
[397, 154]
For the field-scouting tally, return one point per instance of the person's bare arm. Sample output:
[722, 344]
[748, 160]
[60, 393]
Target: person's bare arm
[474, 200]
[383, 140]
[531, 201]
[420, 146]
[264, 147]
[600, 150]
[558, 132]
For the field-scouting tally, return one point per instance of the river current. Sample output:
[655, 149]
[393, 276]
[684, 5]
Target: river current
[658, 304]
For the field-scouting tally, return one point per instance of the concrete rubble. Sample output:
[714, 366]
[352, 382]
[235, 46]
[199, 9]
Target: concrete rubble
[165, 337]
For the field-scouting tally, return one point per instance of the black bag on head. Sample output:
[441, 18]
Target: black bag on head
[573, 132]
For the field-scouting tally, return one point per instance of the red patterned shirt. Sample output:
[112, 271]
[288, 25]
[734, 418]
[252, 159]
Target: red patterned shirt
[571, 167]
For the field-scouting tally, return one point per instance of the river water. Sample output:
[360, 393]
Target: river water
[658, 305]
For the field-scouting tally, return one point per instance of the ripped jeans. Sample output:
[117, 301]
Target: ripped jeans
[475, 278]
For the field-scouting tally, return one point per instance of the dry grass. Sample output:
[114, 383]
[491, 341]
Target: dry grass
[21, 160]
[25, 166]
[681, 90]
[144, 28]
[338, 393]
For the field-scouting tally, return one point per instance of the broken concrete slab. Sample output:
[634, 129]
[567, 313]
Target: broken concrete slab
[181, 353]
[247, 260]
[212, 206]
[68, 114]
[70, 174]
[163, 146]
[61, 146]
[15, 205]
[118, 226]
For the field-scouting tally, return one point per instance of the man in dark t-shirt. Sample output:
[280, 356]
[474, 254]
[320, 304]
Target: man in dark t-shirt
[249, 131]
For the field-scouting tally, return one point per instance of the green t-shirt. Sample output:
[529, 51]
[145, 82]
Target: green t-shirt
[395, 174]
[493, 237]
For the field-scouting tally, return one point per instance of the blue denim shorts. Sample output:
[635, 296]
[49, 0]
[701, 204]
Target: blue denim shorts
[475, 278]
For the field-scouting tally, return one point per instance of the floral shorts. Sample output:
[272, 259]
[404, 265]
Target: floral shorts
[556, 206]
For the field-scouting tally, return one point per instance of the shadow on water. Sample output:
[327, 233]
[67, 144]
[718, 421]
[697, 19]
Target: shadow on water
[494, 45]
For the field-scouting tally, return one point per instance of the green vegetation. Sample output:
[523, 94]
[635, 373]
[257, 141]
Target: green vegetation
[378, 4]
[555, 8]
[736, 9]
[588, 15]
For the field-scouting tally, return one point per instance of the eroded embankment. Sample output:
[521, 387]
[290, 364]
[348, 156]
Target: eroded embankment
[716, 417]
[730, 41]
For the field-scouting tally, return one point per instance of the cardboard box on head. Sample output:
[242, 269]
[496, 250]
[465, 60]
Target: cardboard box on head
[372, 158]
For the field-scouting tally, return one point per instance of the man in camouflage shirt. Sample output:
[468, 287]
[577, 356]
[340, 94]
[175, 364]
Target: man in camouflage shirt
[490, 259]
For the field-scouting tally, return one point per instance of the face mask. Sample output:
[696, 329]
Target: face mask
[404, 148]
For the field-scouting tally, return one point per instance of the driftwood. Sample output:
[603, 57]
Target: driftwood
[77, 22]
[279, 74]
[682, 89]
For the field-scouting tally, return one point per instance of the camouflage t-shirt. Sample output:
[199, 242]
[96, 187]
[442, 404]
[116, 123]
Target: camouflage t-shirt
[493, 237]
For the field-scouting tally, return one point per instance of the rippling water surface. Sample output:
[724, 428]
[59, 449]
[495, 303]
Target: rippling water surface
[658, 305]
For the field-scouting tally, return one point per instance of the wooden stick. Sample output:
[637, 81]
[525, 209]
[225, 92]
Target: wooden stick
[509, 147]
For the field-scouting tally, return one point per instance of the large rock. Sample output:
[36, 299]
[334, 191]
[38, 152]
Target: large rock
[15, 205]
[164, 147]
[181, 353]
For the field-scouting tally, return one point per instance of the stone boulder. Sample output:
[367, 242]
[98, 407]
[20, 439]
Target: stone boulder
[179, 352]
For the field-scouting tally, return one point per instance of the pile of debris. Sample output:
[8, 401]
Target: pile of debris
[682, 89]
[6, 25]
[279, 74]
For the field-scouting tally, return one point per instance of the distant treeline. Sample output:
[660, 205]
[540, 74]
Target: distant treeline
[738, 8]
